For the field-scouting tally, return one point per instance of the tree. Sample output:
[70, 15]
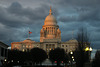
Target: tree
[66, 59]
[26, 56]
[14, 56]
[38, 55]
[83, 41]
[96, 61]
[58, 55]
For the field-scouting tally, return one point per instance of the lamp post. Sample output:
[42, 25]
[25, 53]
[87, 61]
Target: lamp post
[90, 53]
[5, 62]
[89, 49]
[5, 59]
[71, 57]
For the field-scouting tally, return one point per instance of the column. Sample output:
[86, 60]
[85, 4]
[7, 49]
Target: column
[53, 30]
[50, 30]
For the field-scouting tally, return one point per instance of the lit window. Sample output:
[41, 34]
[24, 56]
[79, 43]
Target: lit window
[50, 48]
[15, 45]
[27, 46]
[23, 50]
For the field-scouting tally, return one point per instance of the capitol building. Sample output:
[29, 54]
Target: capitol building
[50, 38]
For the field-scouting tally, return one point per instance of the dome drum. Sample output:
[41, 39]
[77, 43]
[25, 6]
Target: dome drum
[50, 36]
[50, 26]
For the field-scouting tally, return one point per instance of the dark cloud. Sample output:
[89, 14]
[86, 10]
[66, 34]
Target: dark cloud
[67, 18]
[80, 3]
[83, 15]
[18, 17]
[86, 11]
[17, 20]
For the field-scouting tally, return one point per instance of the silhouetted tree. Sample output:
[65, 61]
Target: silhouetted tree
[83, 41]
[26, 56]
[14, 56]
[58, 55]
[38, 55]
[66, 59]
[96, 61]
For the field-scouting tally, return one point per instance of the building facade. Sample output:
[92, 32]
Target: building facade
[3, 52]
[50, 38]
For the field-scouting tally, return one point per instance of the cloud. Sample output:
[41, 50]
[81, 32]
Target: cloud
[17, 20]
[82, 15]
[67, 18]
[17, 17]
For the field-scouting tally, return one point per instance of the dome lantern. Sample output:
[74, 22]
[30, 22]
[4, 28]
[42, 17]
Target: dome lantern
[50, 11]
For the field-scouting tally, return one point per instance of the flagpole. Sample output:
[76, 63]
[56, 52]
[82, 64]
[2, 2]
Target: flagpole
[72, 34]
[28, 35]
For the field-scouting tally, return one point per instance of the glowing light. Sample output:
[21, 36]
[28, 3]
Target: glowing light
[18, 61]
[90, 49]
[72, 56]
[62, 62]
[5, 60]
[87, 49]
[55, 61]
[73, 59]
[23, 50]
[11, 60]
[50, 48]
[71, 52]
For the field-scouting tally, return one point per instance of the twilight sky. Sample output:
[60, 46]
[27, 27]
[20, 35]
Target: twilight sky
[17, 17]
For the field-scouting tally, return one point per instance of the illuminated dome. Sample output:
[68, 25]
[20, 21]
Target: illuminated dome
[50, 19]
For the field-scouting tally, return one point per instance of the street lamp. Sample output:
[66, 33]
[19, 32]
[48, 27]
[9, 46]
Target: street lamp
[11, 60]
[72, 57]
[71, 53]
[18, 61]
[5, 60]
[88, 49]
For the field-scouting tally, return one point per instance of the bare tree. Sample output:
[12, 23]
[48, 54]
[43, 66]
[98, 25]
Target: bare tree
[81, 55]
